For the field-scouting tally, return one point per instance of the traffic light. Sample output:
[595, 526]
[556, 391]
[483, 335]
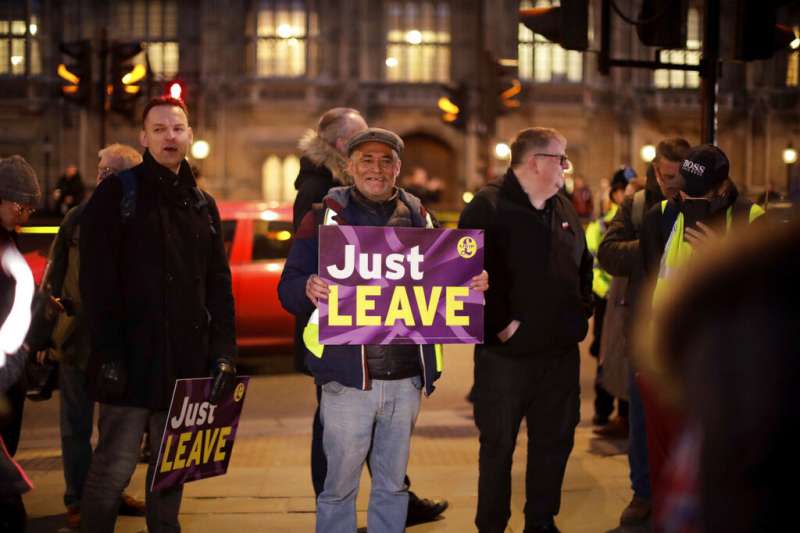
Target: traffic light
[77, 76]
[454, 106]
[126, 77]
[566, 25]
[663, 23]
[757, 34]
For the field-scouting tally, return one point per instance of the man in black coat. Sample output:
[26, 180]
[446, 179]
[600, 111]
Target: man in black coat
[619, 255]
[537, 312]
[156, 291]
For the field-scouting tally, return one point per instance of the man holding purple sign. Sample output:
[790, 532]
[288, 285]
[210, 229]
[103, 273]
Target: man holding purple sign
[370, 393]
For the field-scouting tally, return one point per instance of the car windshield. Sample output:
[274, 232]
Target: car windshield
[271, 240]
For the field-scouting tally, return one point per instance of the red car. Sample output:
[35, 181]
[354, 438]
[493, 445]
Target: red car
[257, 240]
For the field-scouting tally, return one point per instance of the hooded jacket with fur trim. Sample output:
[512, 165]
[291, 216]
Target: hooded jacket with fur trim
[321, 168]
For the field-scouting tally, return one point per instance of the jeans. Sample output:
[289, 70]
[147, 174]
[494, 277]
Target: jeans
[544, 389]
[76, 412]
[637, 441]
[382, 417]
[120, 431]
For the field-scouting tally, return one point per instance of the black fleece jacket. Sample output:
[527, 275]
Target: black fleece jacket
[540, 270]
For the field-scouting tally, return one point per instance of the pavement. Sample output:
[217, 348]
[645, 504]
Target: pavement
[268, 486]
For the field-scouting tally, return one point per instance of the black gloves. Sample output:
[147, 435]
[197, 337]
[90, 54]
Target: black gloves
[112, 380]
[224, 374]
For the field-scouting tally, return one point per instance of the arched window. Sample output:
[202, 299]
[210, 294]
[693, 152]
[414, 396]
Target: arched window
[277, 178]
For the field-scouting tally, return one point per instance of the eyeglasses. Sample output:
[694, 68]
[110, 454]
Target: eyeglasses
[24, 209]
[562, 158]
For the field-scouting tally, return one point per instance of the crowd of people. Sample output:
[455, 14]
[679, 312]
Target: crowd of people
[689, 287]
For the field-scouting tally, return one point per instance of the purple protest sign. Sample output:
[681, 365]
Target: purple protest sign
[198, 437]
[396, 285]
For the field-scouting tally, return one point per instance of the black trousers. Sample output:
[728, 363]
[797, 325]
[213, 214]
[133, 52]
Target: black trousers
[545, 390]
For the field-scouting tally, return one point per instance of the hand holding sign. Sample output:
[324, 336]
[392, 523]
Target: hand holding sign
[316, 289]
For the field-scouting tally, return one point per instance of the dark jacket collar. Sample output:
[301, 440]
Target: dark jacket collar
[155, 170]
[513, 188]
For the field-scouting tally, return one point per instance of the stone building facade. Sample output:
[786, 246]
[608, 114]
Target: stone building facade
[257, 74]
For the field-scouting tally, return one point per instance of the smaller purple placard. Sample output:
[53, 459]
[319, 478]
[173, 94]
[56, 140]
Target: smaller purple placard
[198, 437]
[397, 285]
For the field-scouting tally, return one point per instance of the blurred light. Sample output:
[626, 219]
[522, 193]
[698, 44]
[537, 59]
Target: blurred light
[176, 91]
[132, 89]
[795, 44]
[16, 60]
[285, 31]
[284, 235]
[502, 151]
[467, 197]
[200, 149]
[64, 73]
[268, 215]
[789, 155]
[139, 71]
[648, 153]
[391, 62]
[414, 37]
[33, 28]
[511, 63]
[446, 105]
[570, 167]
[39, 230]
[273, 267]
[292, 41]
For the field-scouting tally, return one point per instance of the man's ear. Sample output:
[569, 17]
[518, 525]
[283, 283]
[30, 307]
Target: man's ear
[143, 138]
[397, 168]
[191, 136]
[351, 166]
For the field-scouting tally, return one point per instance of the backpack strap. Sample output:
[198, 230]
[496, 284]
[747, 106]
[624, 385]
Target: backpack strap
[638, 209]
[127, 204]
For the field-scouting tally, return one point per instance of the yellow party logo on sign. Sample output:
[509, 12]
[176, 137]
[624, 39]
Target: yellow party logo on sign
[467, 247]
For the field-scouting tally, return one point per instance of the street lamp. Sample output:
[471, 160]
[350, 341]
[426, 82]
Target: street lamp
[789, 159]
[648, 153]
[200, 149]
[502, 151]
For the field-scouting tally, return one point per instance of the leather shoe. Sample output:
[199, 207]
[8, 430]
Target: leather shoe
[421, 510]
[636, 513]
[617, 428]
[73, 517]
[130, 506]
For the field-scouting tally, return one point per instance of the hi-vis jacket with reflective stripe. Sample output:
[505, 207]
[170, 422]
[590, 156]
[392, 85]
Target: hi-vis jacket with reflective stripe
[677, 251]
[346, 364]
[601, 280]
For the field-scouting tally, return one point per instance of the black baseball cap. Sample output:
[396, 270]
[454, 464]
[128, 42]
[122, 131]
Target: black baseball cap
[704, 168]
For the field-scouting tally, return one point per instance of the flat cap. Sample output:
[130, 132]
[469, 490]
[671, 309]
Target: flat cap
[18, 181]
[378, 135]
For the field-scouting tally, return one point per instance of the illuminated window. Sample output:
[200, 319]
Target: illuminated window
[155, 23]
[792, 68]
[542, 61]
[418, 41]
[277, 178]
[680, 79]
[283, 29]
[19, 41]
